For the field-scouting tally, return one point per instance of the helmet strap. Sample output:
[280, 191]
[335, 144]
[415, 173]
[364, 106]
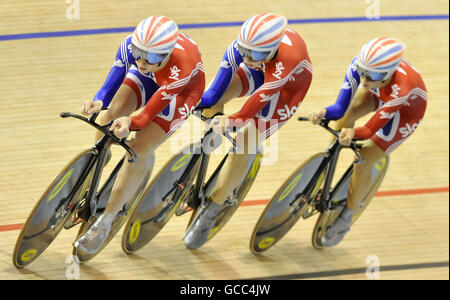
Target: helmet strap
[272, 57]
[387, 80]
[165, 60]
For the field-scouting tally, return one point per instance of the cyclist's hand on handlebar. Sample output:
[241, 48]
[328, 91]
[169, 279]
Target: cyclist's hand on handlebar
[121, 127]
[90, 107]
[316, 116]
[219, 124]
[346, 135]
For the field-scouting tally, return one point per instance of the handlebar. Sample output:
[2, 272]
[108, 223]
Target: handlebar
[104, 129]
[198, 113]
[354, 145]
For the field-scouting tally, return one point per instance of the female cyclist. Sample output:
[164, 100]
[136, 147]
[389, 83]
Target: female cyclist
[157, 68]
[269, 63]
[392, 88]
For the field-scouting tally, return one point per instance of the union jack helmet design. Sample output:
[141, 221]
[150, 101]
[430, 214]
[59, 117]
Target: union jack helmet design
[156, 34]
[382, 55]
[262, 33]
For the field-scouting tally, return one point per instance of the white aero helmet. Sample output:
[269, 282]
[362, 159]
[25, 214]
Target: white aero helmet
[261, 35]
[379, 58]
[154, 39]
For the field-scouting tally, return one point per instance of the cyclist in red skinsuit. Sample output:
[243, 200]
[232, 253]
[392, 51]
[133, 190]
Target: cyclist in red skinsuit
[274, 69]
[392, 88]
[402, 102]
[169, 81]
[287, 78]
[181, 83]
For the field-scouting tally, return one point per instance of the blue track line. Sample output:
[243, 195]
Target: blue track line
[41, 35]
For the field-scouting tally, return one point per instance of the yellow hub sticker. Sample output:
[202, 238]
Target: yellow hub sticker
[28, 255]
[265, 243]
[60, 185]
[134, 231]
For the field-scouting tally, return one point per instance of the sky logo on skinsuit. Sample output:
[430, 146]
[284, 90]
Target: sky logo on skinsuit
[278, 70]
[286, 112]
[408, 129]
[174, 73]
[185, 111]
[166, 96]
[268, 98]
[385, 115]
[395, 91]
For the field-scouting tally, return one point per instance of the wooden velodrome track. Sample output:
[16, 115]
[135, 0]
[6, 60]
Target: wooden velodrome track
[406, 226]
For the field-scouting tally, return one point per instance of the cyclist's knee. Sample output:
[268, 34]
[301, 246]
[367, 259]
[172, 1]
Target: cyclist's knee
[371, 154]
[150, 161]
[148, 140]
[249, 140]
[144, 150]
[245, 148]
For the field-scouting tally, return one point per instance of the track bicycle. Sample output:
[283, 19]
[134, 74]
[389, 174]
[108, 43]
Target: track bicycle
[180, 187]
[309, 191]
[73, 197]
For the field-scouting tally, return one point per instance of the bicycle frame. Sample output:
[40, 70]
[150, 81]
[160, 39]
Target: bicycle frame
[329, 165]
[66, 196]
[201, 189]
[100, 149]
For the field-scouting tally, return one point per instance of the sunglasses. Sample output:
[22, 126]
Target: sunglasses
[150, 58]
[371, 75]
[252, 54]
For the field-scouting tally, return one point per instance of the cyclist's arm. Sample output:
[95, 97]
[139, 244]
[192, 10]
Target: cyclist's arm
[157, 103]
[116, 75]
[228, 68]
[346, 95]
[258, 100]
[378, 120]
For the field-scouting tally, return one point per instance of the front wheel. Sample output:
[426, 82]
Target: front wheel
[52, 211]
[287, 205]
[339, 200]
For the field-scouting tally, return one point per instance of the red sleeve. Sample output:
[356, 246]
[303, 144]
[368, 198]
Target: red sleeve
[158, 102]
[253, 105]
[379, 120]
[259, 99]
[154, 106]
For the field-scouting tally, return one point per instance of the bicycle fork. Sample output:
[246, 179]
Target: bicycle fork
[91, 198]
[328, 165]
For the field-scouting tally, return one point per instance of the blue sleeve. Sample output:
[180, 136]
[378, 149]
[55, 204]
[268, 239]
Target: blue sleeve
[345, 97]
[228, 68]
[116, 75]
